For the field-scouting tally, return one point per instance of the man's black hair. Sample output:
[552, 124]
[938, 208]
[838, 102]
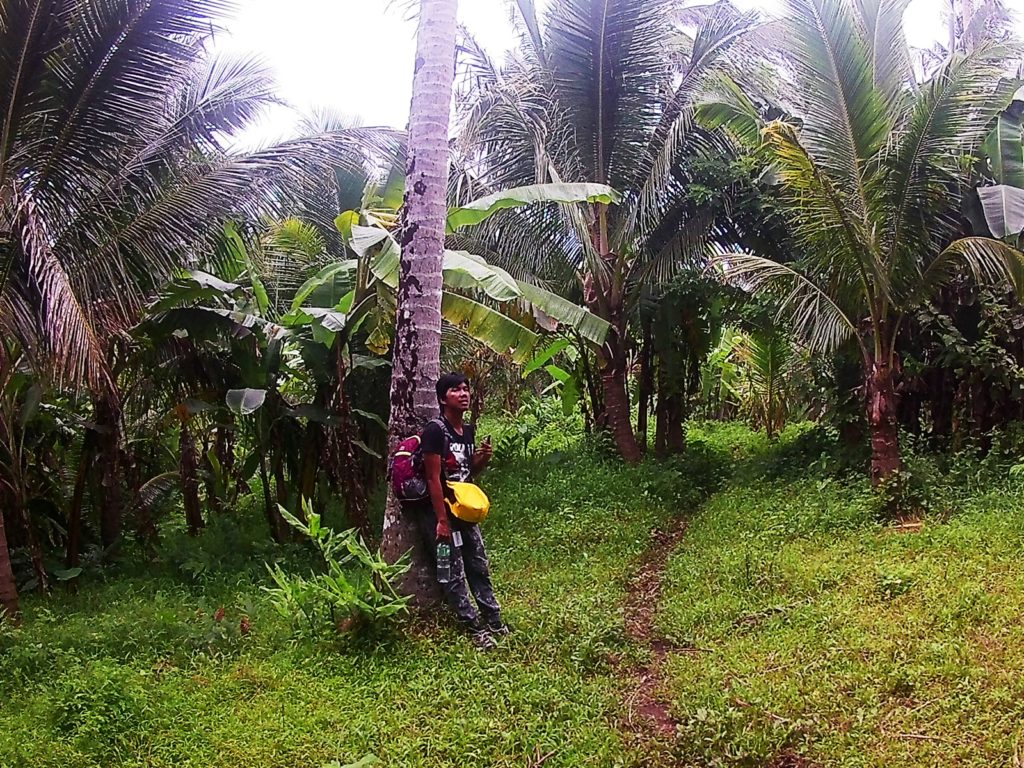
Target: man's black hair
[449, 381]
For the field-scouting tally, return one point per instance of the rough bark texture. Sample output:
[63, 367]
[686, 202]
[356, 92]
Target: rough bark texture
[646, 386]
[883, 410]
[597, 413]
[417, 342]
[8, 587]
[669, 434]
[274, 521]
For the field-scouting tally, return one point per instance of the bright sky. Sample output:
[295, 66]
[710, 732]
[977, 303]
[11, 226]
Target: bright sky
[356, 56]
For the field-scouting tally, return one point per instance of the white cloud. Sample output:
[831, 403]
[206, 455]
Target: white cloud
[356, 56]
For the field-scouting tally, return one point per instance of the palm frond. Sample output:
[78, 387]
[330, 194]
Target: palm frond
[610, 72]
[532, 39]
[719, 30]
[815, 315]
[950, 119]
[990, 262]
[845, 120]
[834, 238]
[892, 71]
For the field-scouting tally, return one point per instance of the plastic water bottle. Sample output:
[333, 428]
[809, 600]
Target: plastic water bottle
[444, 562]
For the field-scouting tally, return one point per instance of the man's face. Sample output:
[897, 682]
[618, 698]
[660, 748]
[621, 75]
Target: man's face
[458, 397]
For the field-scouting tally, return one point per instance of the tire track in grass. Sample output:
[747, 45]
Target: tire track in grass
[647, 712]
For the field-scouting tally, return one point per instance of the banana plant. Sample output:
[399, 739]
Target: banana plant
[485, 301]
[1002, 202]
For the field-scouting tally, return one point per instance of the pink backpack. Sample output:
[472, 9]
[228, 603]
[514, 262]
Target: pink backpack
[405, 467]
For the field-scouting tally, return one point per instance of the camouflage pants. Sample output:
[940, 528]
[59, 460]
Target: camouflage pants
[470, 570]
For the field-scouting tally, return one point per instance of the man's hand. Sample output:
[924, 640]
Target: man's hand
[481, 456]
[486, 451]
[444, 530]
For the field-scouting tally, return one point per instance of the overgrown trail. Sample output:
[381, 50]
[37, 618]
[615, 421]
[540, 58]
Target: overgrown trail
[646, 710]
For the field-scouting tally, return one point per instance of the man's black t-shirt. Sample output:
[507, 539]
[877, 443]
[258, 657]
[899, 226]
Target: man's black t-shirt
[457, 465]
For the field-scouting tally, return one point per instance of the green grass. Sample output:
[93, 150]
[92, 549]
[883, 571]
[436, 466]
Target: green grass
[823, 633]
[135, 671]
[834, 637]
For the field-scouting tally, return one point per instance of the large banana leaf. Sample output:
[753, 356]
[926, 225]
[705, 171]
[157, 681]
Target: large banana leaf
[1005, 150]
[590, 326]
[490, 327]
[480, 210]
[469, 271]
[1004, 209]
[328, 286]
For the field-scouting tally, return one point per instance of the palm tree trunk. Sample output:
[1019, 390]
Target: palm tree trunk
[941, 401]
[597, 411]
[274, 520]
[415, 364]
[883, 411]
[108, 418]
[85, 462]
[612, 362]
[646, 385]
[8, 588]
[188, 466]
[313, 446]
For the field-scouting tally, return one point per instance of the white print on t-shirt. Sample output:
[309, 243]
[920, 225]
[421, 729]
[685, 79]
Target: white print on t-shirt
[462, 452]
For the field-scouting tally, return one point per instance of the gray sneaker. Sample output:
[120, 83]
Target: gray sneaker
[499, 628]
[483, 640]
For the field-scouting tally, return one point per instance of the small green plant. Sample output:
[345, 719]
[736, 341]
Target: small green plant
[355, 593]
[893, 583]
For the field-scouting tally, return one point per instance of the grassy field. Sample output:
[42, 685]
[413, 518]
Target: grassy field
[135, 671]
[826, 637]
[835, 640]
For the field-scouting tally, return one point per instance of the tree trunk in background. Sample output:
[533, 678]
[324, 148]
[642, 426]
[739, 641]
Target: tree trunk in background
[351, 481]
[108, 449]
[597, 411]
[981, 411]
[188, 466]
[313, 447]
[612, 364]
[670, 436]
[417, 343]
[274, 520]
[85, 462]
[675, 436]
[646, 385]
[35, 551]
[941, 396]
[883, 406]
[8, 588]
[478, 388]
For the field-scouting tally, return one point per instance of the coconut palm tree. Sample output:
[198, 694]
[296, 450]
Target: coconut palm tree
[602, 92]
[112, 163]
[417, 345]
[115, 171]
[872, 181]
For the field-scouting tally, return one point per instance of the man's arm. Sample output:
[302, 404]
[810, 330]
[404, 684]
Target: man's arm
[432, 470]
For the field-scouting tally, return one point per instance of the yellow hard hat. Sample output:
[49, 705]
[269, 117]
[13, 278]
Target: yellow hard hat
[469, 502]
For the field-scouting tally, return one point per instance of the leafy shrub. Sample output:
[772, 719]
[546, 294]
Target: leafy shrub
[99, 705]
[538, 427]
[355, 593]
[228, 544]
